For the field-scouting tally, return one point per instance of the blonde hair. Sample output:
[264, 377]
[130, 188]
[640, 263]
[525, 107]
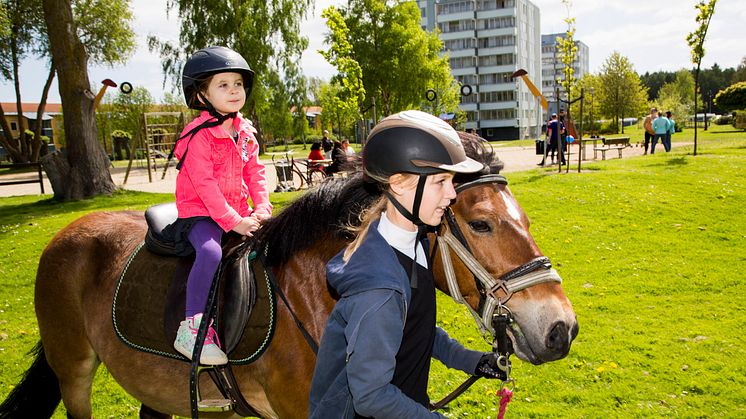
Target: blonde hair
[373, 212]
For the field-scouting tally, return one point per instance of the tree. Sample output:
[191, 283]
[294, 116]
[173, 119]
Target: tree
[265, 33]
[83, 171]
[123, 112]
[654, 81]
[399, 60]
[348, 83]
[740, 73]
[568, 53]
[25, 27]
[696, 41]
[621, 92]
[276, 117]
[675, 96]
[103, 27]
[591, 85]
[733, 97]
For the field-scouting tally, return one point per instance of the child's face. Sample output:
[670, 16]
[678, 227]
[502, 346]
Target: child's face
[439, 192]
[226, 92]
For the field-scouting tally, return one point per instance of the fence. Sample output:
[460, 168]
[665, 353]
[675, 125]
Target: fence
[39, 179]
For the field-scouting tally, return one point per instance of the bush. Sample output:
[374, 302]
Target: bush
[739, 119]
[608, 127]
[723, 119]
[121, 134]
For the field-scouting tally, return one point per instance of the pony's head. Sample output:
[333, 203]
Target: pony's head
[495, 229]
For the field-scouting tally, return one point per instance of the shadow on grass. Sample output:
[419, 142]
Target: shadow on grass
[677, 161]
[27, 212]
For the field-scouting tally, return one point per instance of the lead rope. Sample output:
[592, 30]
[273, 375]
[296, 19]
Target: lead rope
[505, 395]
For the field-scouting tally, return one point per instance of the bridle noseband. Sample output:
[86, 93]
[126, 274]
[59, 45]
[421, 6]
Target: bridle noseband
[494, 293]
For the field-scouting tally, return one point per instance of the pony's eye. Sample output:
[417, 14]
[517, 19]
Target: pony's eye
[480, 226]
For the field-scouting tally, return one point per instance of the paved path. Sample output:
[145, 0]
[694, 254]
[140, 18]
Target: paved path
[516, 159]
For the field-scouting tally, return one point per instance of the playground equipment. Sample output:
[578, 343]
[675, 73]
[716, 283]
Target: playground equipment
[156, 138]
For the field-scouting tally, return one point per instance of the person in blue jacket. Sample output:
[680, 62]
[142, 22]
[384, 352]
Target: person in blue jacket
[374, 356]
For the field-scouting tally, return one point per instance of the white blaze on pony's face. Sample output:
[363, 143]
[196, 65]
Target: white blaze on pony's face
[497, 231]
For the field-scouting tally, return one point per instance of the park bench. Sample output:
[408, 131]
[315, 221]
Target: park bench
[618, 143]
[38, 179]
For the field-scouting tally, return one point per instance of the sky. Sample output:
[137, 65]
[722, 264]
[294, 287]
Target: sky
[652, 35]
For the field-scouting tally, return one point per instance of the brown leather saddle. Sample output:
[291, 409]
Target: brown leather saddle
[149, 297]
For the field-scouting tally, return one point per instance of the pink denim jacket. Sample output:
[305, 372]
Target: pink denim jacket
[218, 175]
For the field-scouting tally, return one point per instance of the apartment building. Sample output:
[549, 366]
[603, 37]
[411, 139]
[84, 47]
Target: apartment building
[552, 66]
[486, 42]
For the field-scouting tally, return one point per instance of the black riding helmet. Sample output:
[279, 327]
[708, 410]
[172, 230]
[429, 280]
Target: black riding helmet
[414, 142]
[418, 143]
[206, 62]
[201, 65]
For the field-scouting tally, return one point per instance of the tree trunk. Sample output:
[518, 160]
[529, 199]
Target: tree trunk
[88, 164]
[696, 93]
[17, 84]
[38, 143]
[58, 172]
[7, 140]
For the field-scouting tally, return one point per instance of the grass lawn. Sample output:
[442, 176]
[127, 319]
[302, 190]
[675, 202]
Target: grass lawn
[651, 251]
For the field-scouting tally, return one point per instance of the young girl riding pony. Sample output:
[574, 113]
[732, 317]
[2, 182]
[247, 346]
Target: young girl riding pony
[219, 170]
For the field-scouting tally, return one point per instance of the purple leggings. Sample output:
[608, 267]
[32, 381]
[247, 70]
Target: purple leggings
[205, 237]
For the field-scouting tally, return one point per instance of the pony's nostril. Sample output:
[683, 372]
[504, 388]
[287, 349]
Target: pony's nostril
[558, 338]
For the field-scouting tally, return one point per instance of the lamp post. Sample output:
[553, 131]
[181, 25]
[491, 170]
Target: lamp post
[592, 90]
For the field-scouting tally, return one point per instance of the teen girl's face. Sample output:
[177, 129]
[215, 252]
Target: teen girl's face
[437, 196]
[226, 92]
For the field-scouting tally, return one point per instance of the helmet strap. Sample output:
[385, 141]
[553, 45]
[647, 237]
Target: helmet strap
[214, 112]
[414, 217]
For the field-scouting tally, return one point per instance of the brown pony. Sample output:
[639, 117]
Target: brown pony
[79, 269]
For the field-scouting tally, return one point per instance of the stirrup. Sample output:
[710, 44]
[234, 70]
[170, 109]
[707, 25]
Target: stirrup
[211, 405]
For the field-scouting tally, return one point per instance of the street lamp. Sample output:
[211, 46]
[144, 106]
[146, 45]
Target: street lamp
[592, 91]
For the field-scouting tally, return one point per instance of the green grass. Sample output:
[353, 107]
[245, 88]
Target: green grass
[651, 251]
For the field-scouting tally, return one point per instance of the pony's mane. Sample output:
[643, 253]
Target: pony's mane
[326, 212]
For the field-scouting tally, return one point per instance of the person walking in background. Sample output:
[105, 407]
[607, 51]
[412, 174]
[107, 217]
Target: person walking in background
[327, 145]
[554, 132]
[669, 132]
[648, 125]
[660, 127]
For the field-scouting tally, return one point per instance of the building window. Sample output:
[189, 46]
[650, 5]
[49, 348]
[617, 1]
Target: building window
[470, 79]
[493, 60]
[497, 22]
[459, 44]
[13, 126]
[455, 7]
[456, 26]
[497, 41]
[497, 114]
[502, 96]
[495, 4]
[461, 62]
[495, 78]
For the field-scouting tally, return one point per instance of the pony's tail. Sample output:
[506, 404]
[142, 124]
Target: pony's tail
[38, 393]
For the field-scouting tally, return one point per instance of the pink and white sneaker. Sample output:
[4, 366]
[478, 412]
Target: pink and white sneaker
[187, 336]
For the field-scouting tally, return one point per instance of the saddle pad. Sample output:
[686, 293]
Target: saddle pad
[148, 294]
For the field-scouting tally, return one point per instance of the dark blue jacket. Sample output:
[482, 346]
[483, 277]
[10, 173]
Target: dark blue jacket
[357, 354]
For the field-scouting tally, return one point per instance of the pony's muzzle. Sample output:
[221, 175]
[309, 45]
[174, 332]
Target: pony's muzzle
[559, 339]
